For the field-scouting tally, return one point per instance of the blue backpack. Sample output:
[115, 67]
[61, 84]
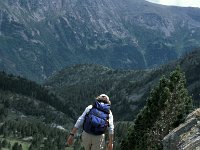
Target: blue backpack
[96, 120]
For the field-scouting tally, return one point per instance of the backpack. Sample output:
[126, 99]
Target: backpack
[96, 120]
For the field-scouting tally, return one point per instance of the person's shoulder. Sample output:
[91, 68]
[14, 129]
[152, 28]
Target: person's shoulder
[89, 107]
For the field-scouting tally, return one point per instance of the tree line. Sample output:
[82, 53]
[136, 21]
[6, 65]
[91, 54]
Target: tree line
[167, 107]
[40, 135]
[31, 89]
[29, 98]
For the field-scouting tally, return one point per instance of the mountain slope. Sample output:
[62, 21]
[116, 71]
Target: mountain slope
[41, 37]
[80, 84]
[26, 99]
[31, 116]
[128, 90]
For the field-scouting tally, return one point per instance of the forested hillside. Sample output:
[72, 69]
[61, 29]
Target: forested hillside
[31, 117]
[80, 84]
[35, 112]
[167, 106]
[128, 90]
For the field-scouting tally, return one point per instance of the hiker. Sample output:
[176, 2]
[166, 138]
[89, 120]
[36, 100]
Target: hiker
[93, 136]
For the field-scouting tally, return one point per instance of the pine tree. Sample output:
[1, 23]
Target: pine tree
[20, 147]
[15, 146]
[167, 106]
[4, 143]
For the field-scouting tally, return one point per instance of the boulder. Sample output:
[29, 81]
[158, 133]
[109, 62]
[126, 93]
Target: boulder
[186, 136]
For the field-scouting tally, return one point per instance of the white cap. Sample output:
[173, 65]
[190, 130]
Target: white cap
[104, 95]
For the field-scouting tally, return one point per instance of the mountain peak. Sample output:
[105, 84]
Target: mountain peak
[49, 35]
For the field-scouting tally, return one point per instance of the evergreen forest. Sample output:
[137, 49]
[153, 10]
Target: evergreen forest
[146, 104]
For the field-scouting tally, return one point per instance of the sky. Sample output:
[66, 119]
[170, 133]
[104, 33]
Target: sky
[183, 3]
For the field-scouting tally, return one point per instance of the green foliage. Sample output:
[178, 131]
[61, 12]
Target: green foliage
[17, 146]
[30, 111]
[128, 89]
[40, 135]
[29, 88]
[191, 66]
[121, 131]
[167, 106]
[80, 84]
[30, 98]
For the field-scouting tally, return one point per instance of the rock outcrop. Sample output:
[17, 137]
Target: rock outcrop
[186, 136]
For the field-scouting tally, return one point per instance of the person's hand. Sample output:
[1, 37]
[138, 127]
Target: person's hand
[70, 140]
[110, 146]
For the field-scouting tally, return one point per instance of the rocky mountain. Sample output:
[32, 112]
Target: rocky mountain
[40, 37]
[186, 136]
[128, 90]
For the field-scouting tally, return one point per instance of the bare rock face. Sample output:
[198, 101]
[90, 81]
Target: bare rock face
[186, 136]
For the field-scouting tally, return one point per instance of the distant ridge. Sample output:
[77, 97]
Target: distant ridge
[128, 89]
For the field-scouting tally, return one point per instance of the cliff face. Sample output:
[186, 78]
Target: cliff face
[40, 37]
[186, 136]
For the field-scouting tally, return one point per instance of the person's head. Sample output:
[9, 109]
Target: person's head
[103, 98]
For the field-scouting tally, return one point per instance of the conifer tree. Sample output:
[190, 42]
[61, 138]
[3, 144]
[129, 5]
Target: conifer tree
[15, 146]
[167, 106]
[4, 143]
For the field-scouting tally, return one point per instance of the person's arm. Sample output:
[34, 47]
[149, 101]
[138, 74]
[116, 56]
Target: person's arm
[70, 139]
[110, 144]
[78, 124]
[111, 131]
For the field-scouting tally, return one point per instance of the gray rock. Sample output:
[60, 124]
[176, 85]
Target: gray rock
[186, 136]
